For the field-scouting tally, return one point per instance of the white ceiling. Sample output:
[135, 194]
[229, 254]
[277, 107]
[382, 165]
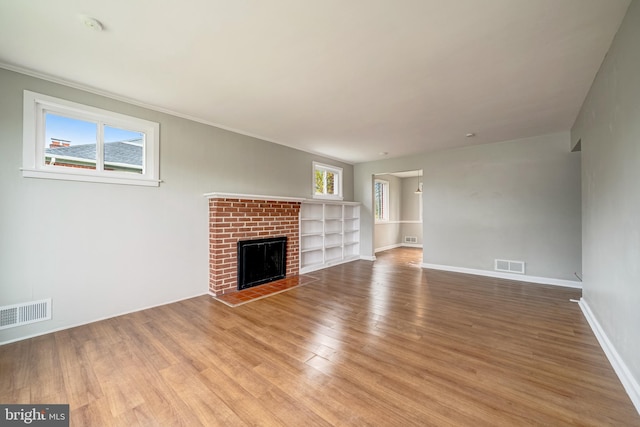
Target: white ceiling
[344, 79]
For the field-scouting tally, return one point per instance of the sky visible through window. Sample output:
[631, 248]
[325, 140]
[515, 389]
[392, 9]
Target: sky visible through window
[82, 132]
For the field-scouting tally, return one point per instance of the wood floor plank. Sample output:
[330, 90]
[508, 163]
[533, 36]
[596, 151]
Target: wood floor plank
[382, 344]
[314, 391]
[81, 384]
[44, 370]
[14, 377]
[204, 407]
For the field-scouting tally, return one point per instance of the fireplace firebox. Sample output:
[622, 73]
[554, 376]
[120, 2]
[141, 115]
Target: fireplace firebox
[261, 261]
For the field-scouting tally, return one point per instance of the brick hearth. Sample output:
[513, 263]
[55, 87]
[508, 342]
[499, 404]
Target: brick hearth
[232, 219]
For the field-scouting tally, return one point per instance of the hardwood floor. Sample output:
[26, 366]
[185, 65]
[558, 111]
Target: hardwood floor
[384, 343]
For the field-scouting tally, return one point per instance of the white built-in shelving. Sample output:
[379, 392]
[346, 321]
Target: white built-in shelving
[329, 234]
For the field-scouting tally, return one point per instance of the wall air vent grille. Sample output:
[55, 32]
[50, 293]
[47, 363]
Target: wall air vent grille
[410, 239]
[509, 266]
[25, 313]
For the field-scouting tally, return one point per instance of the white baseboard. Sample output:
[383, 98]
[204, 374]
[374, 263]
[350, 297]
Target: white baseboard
[509, 276]
[411, 245]
[98, 319]
[367, 258]
[386, 248]
[398, 245]
[328, 264]
[629, 383]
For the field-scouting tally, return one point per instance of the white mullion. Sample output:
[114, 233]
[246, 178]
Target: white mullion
[145, 153]
[324, 182]
[100, 147]
[384, 201]
[41, 143]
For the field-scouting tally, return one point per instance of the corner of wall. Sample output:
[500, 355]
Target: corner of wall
[630, 384]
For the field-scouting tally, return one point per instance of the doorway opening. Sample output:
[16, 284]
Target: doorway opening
[398, 210]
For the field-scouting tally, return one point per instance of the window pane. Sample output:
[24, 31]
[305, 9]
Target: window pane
[378, 200]
[331, 178]
[319, 182]
[70, 142]
[381, 200]
[123, 150]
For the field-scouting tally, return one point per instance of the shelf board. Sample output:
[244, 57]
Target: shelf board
[312, 264]
[315, 248]
[311, 234]
[311, 219]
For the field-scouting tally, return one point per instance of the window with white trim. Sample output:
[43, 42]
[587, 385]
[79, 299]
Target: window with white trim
[381, 200]
[327, 181]
[71, 141]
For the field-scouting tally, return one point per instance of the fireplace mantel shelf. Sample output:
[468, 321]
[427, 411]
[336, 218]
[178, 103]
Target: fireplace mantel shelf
[242, 196]
[217, 195]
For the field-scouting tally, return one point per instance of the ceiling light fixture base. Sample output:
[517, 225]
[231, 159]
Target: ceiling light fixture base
[91, 23]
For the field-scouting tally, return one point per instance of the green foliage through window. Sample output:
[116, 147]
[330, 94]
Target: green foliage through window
[381, 200]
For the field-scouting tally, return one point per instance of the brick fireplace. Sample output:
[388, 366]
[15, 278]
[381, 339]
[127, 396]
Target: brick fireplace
[235, 217]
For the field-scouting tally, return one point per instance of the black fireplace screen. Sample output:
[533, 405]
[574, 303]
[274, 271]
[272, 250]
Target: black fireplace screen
[261, 261]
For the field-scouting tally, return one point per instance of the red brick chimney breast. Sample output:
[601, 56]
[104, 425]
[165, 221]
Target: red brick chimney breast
[233, 219]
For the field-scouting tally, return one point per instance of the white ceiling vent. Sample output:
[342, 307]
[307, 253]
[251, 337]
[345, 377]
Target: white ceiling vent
[25, 313]
[509, 266]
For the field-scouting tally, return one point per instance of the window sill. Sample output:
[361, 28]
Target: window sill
[36, 173]
[326, 197]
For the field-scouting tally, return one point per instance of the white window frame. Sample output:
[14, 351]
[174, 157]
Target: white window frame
[385, 201]
[337, 171]
[34, 146]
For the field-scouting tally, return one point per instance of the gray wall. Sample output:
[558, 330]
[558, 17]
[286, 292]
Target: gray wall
[411, 221]
[100, 249]
[514, 200]
[609, 129]
[410, 210]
